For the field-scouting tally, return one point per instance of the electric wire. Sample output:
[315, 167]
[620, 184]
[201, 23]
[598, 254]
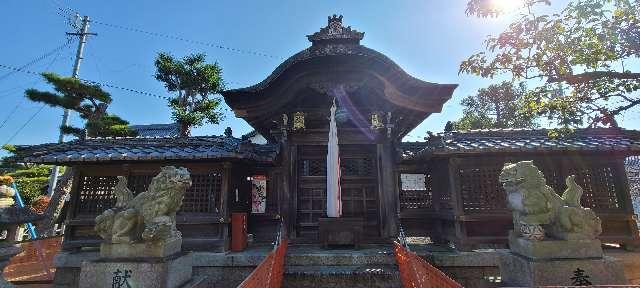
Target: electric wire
[25, 124]
[92, 82]
[4, 122]
[38, 59]
[173, 37]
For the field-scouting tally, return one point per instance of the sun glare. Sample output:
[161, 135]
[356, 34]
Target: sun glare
[506, 5]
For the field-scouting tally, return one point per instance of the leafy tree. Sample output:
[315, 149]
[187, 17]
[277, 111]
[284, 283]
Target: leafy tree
[575, 57]
[497, 106]
[31, 179]
[90, 101]
[194, 81]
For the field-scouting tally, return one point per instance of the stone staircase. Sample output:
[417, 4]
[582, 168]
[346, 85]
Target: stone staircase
[308, 266]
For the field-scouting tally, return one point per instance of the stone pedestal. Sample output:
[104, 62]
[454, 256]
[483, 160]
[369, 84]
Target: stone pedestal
[168, 272]
[555, 249]
[554, 263]
[158, 249]
[519, 271]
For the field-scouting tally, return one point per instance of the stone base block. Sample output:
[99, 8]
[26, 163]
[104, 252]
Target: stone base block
[519, 271]
[144, 249]
[550, 249]
[170, 272]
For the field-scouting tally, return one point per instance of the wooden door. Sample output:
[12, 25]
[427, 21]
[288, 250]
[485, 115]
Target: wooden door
[358, 182]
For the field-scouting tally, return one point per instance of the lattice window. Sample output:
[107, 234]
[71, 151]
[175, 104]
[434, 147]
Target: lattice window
[599, 187]
[481, 191]
[95, 194]
[416, 191]
[362, 167]
[313, 167]
[139, 183]
[203, 194]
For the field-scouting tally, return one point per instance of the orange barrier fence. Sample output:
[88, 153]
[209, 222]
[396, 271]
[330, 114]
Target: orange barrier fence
[35, 263]
[270, 272]
[417, 273]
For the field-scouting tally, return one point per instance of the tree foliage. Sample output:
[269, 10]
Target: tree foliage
[575, 57]
[90, 101]
[497, 106]
[31, 179]
[194, 81]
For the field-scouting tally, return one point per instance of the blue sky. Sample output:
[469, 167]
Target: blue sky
[428, 39]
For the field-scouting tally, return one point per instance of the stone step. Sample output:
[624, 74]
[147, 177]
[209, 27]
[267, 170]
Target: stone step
[311, 255]
[353, 276]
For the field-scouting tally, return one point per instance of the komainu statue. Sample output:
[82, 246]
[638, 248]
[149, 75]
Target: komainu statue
[539, 212]
[151, 215]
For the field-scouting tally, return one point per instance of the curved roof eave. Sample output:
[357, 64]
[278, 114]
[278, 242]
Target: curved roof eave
[338, 50]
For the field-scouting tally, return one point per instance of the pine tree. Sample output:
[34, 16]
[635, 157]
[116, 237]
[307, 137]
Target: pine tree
[194, 81]
[90, 101]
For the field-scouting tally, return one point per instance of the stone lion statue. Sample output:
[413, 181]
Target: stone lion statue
[151, 215]
[539, 212]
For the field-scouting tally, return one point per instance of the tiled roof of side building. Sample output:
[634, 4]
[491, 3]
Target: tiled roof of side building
[157, 130]
[145, 149]
[525, 140]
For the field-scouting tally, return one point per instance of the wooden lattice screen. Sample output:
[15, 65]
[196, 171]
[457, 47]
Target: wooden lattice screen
[96, 192]
[416, 195]
[482, 193]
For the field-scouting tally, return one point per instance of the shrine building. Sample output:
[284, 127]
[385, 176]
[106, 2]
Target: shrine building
[445, 188]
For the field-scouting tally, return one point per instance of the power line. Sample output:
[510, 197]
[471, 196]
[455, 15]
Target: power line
[173, 37]
[22, 100]
[38, 59]
[11, 113]
[92, 82]
[25, 124]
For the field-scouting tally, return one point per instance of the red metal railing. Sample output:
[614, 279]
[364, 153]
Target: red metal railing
[417, 273]
[270, 272]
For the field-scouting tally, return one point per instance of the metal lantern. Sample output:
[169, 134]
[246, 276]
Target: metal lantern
[298, 120]
[376, 122]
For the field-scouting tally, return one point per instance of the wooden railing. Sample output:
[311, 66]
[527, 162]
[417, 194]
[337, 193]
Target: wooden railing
[415, 272]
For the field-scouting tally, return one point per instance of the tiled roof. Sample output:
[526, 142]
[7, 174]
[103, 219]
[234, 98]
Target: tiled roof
[146, 149]
[410, 149]
[157, 130]
[525, 140]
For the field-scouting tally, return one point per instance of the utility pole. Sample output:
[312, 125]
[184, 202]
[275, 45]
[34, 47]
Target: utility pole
[82, 34]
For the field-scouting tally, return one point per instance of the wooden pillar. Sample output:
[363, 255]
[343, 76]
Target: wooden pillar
[624, 196]
[290, 186]
[224, 203]
[388, 196]
[74, 201]
[460, 238]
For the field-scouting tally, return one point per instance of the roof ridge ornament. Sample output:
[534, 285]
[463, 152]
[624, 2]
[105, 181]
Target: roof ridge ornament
[336, 33]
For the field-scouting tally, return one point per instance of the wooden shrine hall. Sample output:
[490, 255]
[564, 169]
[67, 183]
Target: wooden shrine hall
[445, 188]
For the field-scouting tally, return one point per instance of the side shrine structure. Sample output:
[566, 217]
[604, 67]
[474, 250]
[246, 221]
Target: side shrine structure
[445, 188]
